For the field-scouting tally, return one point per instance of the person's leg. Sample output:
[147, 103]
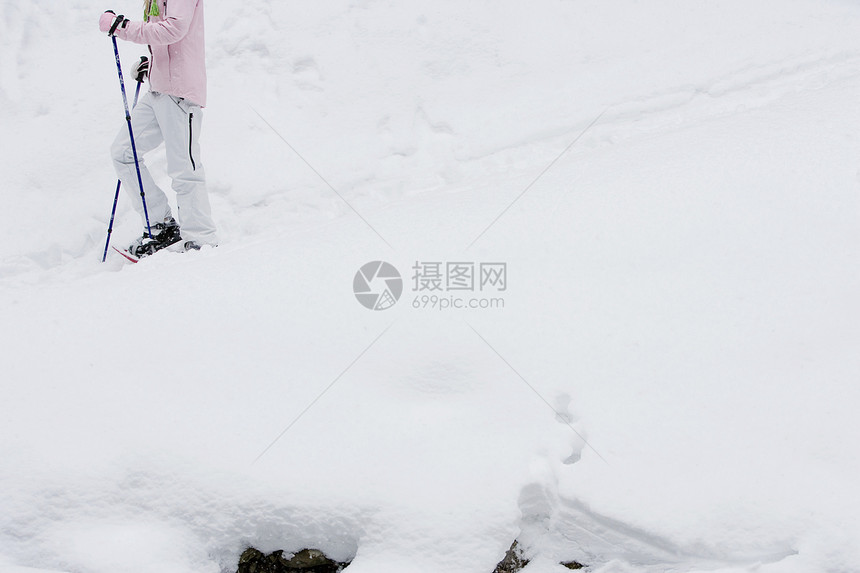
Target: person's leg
[147, 136]
[180, 121]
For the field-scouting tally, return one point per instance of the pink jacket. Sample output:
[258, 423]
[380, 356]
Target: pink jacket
[176, 40]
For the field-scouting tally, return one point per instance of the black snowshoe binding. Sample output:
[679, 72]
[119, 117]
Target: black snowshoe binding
[163, 235]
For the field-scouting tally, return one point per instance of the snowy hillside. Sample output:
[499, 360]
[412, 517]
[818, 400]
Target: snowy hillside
[667, 380]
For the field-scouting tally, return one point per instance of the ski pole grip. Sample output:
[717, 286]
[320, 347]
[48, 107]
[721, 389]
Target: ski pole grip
[119, 19]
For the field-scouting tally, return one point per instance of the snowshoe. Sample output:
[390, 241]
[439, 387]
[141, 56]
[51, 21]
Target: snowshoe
[163, 235]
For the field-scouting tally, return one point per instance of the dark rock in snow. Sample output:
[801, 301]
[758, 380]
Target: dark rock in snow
[513, 561]
[305, 561]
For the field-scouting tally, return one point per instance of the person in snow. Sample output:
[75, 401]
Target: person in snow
[171, 112]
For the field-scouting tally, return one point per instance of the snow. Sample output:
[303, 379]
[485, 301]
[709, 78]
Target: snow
[670, 385]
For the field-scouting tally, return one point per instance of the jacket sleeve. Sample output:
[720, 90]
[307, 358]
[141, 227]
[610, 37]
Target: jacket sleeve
[168, 31]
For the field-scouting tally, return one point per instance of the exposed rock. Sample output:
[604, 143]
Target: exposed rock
[305, 561]
[513, 561]
[310, 558]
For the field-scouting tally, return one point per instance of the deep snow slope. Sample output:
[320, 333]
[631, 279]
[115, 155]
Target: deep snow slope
[671, 382]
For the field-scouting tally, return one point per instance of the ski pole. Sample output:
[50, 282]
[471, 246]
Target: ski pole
[131, 135]
[118, 185]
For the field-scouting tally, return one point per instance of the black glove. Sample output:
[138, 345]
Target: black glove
[140, 69]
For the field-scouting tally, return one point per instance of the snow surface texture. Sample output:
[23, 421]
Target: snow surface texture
[682, 292]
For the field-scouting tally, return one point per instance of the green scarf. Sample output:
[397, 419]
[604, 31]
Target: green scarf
[152, 10]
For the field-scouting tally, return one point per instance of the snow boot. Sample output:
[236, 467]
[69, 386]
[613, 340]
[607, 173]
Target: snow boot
[163, 235]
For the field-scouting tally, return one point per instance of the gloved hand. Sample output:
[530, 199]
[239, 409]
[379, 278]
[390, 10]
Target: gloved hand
[140, 69]
[109, 22]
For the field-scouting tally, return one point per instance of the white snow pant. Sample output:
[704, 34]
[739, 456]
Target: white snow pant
[161, 118]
